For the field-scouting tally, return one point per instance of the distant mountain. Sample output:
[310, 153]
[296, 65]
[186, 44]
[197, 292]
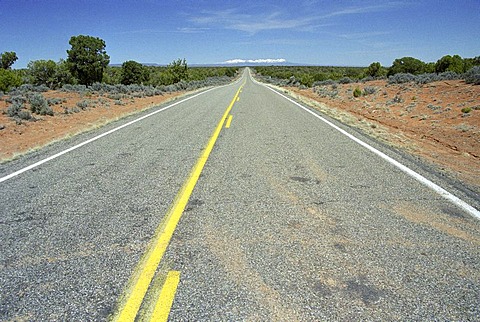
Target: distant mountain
[234, 63]
[258, 62]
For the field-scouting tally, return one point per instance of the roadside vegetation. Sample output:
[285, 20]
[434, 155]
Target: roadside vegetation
[402, 70]
[86, 70]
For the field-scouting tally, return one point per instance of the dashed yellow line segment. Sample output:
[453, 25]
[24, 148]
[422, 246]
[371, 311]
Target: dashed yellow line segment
[139, 282]
[229, 121]
[165, 299]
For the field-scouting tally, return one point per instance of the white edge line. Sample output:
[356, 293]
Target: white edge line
[444, 193]
[16, 173]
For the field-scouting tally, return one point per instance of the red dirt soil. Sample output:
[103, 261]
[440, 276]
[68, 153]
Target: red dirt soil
[16, 139]
[426, 120]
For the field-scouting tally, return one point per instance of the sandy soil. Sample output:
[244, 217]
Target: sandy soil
[17, 139]
[426, 120]
[423, 119]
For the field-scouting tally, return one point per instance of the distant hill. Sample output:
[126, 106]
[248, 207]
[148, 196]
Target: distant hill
[233, 63]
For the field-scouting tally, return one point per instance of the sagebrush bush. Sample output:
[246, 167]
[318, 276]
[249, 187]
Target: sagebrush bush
[345, 80]
[15, 108]
[323, 91]
[401, 78]
[325, 82]
[368, 90]
[39, 105]
[472, 76]
[83, 104]
[24, 115]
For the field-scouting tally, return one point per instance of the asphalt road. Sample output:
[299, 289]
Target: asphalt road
[289, 220]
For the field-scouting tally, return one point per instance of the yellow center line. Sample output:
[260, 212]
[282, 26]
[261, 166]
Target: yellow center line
[145, 270]
[229, 121]
[165, 299]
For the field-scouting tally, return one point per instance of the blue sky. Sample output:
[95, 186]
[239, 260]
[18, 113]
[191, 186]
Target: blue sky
[353, 33]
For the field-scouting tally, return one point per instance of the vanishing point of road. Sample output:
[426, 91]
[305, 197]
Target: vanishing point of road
[234, 204]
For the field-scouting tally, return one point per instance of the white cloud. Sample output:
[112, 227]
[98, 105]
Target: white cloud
[259, 21]
[256, 61]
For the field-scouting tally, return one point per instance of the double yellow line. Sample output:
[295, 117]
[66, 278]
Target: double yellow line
[140, 281]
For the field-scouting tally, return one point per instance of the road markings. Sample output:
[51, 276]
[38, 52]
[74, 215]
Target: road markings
[165, 299]
[444, 193]
[229, 121]
[141, 278]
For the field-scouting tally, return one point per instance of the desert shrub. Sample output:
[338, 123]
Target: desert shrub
[24, 115]
[425, 78]
[357, 92]
[39, 105]
[466, 110]
[83, 104]
[448, 75]
[395, 99]
[15, 108]
[345, 80]
[28, 88]
[323, 91]
[100, 87]
[401, 78]
[367, 79]
[16, 98]
[368, 90]
[472, 76]
[325, 82]
[433, 107]
[115, 96]
[74, 88]
[54, 101]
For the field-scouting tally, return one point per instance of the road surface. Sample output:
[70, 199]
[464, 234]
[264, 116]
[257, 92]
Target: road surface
[288, 219]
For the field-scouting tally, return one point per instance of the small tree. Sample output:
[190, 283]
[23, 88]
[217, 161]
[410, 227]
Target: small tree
[87, 58]
[42, 72]
[407, 65]
[47, 72]
[374, 69]
[178, 70]
[8, 59]
[8, 80]
[453, 63]
[134, 73]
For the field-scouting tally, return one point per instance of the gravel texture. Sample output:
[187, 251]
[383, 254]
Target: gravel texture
[290, 220]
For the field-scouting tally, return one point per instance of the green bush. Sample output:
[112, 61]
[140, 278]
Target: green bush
[407, 65]
[49, 73]
[357, 92]
[8, 80]
[466, 110]
[134, 73]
